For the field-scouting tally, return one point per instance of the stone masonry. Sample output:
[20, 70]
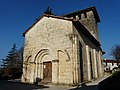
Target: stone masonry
[63, 49]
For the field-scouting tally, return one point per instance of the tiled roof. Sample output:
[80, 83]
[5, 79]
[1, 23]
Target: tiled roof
[110, 61]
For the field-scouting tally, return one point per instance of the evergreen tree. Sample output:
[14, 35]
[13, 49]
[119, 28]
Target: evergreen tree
[11, 58]
[4, 61]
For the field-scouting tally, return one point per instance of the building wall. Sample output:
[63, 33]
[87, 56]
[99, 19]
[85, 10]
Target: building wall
[91, 57]
[110, 65]
[88, 20]
[49, 40]
[75, 59]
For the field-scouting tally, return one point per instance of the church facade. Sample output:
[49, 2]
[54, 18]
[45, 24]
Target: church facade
[63, 49]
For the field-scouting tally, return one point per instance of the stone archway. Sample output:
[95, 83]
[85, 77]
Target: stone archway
[42, 57]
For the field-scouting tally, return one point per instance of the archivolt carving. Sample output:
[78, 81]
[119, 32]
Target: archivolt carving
[27, 60]
[39, 56]
[66, 54]
[68, 57]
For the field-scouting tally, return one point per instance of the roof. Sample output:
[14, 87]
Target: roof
[83, 11]
[110, 61]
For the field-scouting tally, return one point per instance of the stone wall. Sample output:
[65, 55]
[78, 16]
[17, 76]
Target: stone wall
[90, 23]
[75, 59]
[50, 40]
[91, 57]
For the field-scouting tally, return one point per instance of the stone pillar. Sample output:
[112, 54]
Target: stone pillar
[23, 79]
[35, 71]
[100, 70]
[31, 75]
[55, 71]
[88, 63]
[39, 76]
[38, 70]
[27, 73]
[75, 59]
[41, 70]
[95, 64]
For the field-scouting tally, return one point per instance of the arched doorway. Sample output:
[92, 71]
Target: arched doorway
[43, 65]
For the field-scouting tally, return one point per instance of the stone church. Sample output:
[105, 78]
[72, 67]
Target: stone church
[63, 49]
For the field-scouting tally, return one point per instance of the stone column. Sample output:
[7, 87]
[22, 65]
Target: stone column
[38, 71]
[75, 59]
[100, 70]
[88, 63]
[31, 75]
[35, 70]
[55, 71]
[27, 73]
[95, 64]
[23, 79]
[41, 73]
[41, 69]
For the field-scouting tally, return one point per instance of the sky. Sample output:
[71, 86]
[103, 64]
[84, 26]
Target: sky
[16, 16]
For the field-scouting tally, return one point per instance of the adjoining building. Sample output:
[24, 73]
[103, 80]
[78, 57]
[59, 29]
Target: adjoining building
[63, 49]
[110, 65]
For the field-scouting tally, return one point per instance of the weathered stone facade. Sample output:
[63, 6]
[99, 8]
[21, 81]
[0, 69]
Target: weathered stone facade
[63, 49]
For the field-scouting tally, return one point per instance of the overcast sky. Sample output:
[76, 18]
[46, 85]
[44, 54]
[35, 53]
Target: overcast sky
[17, 15]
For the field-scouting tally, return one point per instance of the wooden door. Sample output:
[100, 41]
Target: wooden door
[47, 71]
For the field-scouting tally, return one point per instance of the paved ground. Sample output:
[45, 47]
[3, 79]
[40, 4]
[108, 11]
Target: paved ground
[16, 85]
[98, 80]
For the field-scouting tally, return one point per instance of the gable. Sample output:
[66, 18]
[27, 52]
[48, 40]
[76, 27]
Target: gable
[48, 16]
[77, 24]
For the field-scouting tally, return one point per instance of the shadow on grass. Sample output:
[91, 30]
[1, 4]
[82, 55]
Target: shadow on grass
[111, 83]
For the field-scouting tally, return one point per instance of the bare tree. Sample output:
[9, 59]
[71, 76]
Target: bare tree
[115, 52]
